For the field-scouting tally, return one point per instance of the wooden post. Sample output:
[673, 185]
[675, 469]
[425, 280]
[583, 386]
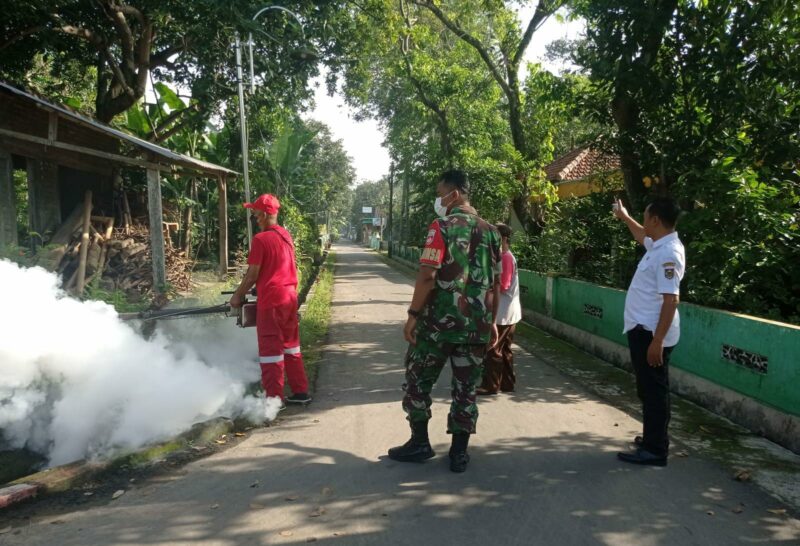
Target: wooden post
[8, 202]
[188, 218]
[156, 231]
[87, 222]
[223, 225]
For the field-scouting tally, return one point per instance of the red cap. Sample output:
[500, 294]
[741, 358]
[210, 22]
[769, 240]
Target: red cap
[267, 203]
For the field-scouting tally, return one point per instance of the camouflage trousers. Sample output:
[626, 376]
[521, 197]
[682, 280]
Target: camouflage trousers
[424, 363]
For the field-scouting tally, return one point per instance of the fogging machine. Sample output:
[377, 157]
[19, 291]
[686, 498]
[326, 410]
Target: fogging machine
[245, 315]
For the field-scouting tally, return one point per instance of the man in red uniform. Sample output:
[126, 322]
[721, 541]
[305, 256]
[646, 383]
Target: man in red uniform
[273, 270]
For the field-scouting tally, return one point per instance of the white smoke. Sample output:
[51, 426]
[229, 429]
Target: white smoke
[76, 382]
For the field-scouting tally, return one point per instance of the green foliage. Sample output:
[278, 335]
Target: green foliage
[305, 234]
[283, 155]
[368, 194]
[185, 43]
[20, 180]
[743, 242]
[18, 255]
[581, 239]
[116, 298]
[704, 97]
[59, 77]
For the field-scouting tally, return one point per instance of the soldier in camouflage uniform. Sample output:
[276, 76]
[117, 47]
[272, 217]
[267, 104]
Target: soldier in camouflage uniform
[451, 317]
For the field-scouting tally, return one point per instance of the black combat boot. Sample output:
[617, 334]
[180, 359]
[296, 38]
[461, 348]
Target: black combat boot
[458, 452]
[417, 449]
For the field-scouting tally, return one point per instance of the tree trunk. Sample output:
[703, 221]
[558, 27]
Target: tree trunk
[521, 203]
[625, 112]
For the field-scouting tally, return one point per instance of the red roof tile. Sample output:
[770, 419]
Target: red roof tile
[580, 163]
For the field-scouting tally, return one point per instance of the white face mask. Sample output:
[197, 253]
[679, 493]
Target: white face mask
[440, 209]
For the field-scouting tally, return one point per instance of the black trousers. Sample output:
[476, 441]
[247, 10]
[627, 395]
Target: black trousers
[652, 386]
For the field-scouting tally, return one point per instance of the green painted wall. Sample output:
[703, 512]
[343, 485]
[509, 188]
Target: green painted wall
[570, 301]
[704, 331]
[532, 290]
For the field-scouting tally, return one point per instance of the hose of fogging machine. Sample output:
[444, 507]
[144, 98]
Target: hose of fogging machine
[177, 313]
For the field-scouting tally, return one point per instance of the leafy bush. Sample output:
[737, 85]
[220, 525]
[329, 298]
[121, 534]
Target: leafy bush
[742, 243]
[581, 239]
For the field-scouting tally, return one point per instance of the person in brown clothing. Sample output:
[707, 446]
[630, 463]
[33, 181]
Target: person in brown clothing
[498, 364]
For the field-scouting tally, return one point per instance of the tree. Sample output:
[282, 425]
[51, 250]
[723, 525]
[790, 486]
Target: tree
[622, 48]
[439, 105]
[368, 194]
[704, 99]
[502, 48]
[188, 43]
[324, 178]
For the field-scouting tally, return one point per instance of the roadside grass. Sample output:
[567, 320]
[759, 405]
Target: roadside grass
[316, 318]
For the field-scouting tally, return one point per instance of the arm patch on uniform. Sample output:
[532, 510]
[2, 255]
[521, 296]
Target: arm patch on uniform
[669, 272]
[431, 235]
[431, 255]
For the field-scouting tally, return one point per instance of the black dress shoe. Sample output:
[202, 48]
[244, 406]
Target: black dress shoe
[644, 457]
[413, 451]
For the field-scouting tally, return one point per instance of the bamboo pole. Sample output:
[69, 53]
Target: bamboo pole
[127, 219]
[87, 219]
[98, 274]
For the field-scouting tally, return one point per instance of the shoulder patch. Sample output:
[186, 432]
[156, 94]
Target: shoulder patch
[431, 255]
[431, 235]
[669, 264]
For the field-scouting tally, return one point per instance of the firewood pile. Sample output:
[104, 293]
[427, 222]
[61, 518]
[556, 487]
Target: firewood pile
[87, 248]
[129, 266]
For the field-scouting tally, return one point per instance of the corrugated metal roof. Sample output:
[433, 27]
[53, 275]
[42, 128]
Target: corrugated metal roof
[167, 155]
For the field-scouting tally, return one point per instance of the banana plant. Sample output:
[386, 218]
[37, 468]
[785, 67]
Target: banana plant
[284, 153]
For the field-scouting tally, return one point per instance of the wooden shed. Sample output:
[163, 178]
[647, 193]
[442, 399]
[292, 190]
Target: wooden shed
[65, 154]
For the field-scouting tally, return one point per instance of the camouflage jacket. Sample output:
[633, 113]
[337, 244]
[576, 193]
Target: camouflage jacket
[466, 251]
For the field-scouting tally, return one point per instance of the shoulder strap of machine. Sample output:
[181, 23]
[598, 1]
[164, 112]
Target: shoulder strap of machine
[282, 236]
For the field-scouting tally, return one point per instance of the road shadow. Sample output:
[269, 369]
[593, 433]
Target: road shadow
[564, 489]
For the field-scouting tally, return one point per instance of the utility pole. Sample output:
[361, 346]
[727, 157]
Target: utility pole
[404, 212]
[243, 128]
[391, 209]
[242, 115]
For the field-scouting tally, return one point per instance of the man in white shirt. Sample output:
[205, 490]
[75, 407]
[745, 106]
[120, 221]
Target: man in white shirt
[652, 322]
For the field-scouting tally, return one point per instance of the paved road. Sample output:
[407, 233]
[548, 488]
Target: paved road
[543, 469]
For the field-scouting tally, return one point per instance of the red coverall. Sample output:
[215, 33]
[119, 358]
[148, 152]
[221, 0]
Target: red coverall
[277, 325]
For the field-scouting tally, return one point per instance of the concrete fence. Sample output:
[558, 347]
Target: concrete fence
[742, 367]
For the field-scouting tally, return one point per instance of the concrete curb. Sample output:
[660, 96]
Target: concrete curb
[17, 493]
[65, 477]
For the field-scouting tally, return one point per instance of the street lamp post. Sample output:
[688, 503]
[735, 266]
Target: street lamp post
[242, 112]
